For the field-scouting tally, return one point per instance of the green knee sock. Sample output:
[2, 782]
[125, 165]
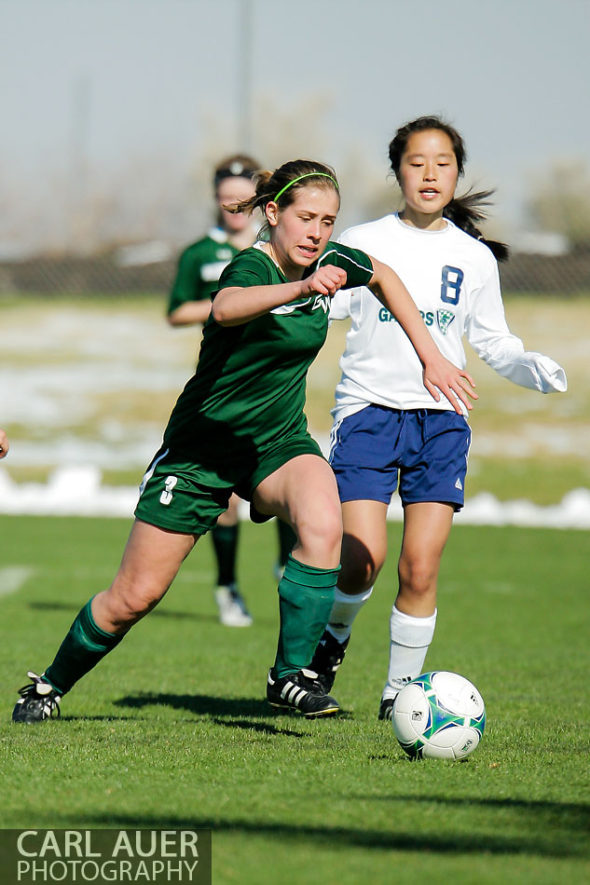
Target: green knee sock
[84, 646]
[225, 544]
[306, 595]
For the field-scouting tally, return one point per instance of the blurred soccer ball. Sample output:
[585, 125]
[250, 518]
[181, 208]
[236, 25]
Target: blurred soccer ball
[439, 715]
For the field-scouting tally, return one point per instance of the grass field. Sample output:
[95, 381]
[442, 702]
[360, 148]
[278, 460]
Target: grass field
[172, 729]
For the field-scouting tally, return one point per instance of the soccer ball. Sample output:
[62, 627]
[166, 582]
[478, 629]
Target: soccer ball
[439, 715]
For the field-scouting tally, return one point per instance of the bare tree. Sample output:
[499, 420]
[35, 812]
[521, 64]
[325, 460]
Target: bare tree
[561, 203]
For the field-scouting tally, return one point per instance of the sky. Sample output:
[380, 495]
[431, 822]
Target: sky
[146, 92]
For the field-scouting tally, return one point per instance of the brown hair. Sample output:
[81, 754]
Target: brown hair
[283, 183]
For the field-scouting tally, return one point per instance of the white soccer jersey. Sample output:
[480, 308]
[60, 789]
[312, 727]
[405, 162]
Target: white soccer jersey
[453, 278]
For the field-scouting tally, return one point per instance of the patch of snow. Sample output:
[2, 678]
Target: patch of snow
[77, 491]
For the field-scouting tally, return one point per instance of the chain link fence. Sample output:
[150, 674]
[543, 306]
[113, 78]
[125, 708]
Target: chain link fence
[563, 275]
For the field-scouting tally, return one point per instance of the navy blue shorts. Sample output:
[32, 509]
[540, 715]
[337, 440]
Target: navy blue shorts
[427, 447]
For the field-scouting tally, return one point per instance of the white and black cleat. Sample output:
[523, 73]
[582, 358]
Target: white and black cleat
[300, 691]
[38, 701]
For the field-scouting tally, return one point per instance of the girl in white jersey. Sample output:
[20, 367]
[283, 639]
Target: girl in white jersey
[385, 423]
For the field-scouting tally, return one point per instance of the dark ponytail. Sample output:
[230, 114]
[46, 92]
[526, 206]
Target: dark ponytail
[463, 211]
[466, 213]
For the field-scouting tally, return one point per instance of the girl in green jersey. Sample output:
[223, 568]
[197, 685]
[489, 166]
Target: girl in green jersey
[239, 426]
[197, 279]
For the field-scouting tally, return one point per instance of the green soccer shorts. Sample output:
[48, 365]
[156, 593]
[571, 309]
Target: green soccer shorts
[180, 495]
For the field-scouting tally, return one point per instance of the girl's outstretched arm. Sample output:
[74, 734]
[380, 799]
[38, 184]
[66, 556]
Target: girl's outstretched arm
[236, 305]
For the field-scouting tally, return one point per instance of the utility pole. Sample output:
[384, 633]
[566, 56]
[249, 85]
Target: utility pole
[78, 163]
[244, 74]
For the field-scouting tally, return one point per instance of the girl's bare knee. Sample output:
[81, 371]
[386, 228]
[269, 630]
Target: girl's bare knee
[127, 603]
[322, 534]
[417, 578]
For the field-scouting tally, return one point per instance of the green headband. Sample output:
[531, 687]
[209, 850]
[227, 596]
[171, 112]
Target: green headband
[307, 175]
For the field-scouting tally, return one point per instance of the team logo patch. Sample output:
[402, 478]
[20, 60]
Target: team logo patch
[318, 302]
[322, 302]
[444, 319]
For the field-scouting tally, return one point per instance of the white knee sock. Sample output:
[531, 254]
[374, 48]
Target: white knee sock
[344, 611]
[410, 639]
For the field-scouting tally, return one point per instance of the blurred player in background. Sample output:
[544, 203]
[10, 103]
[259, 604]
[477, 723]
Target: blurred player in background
[385, 424]
[4, 446]
[239, 425]
[200, 264]
[199, 267]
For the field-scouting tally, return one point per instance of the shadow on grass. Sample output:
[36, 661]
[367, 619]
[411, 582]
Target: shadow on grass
[201, 704]
[105, 718]
[581, 808]
[157, 612]
[577, 808]
[261, 727]
[207, 705]
[547, 842]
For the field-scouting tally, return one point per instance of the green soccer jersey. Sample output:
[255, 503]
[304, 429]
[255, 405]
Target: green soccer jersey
[199, 268]
[248, 392]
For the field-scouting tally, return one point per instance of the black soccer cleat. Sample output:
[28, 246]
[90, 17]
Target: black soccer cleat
[300, 691]
[386, 708]
[328, 656]
[38, 701]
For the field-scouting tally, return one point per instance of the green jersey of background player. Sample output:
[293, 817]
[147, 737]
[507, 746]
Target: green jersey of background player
[201, 263]
[239, 424]
[199, 267]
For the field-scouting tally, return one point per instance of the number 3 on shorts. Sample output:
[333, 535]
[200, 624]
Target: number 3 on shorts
[166, 496]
